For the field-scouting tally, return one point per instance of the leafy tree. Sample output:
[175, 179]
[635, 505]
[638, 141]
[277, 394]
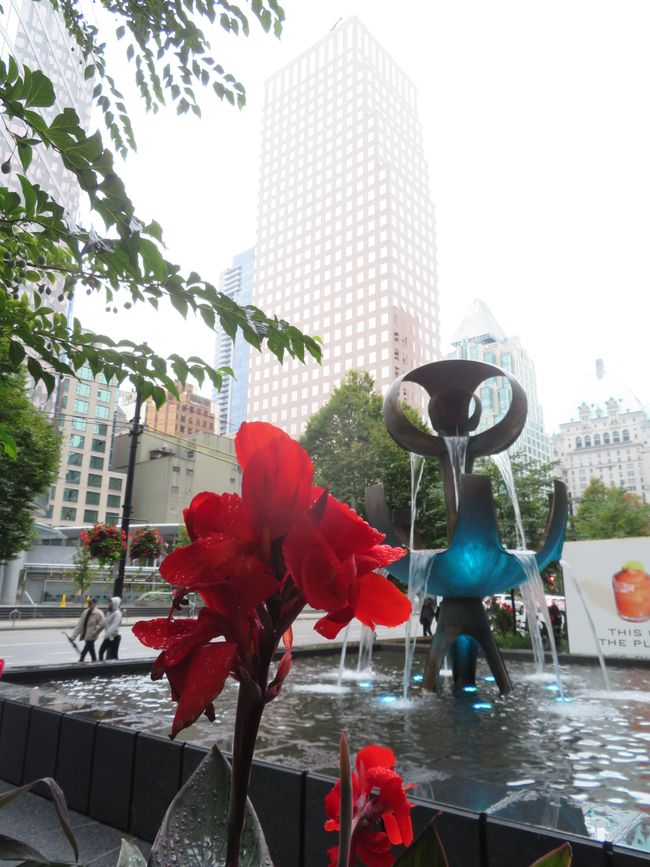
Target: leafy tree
[31, 472]
[533, 484]
[611, 513]
[44, 254]
[352, 449]
[82, 576]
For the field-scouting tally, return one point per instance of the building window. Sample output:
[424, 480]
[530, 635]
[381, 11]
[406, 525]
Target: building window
[112, 518]
[626, 436]
[176, 469]
[102, 411]
[91, 516]
[73, 477]
[100, 429]
[606, 438]
[92, 498]
[587, 441]
[173, 489]
[75, 459]
[113, 502]
[104, 395]
[190, 455]
[115, 483]
[83, 389]
[85, 373]
[68, 514]
[99, 445]
[81, 406]
[96, 463]
[596, 439]
[79, 423]
[77, 442]
[70, 495]
[94, 481]
[616, 437]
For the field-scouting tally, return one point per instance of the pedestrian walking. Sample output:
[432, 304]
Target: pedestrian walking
[426, 616]
[88, 628]
[111, 643]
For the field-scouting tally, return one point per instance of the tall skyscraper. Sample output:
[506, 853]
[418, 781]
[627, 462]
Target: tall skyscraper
[480, 338]
[230, 403]
[345, 230]
[35, 35]
[86, 490]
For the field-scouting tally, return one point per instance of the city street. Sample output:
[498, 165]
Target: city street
[45, 645]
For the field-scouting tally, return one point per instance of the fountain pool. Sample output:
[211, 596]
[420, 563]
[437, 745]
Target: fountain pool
[581, 765]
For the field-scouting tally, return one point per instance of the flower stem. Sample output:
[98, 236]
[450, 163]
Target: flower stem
[250, 706]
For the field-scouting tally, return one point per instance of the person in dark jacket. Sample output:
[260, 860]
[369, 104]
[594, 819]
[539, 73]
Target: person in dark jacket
[426, 615]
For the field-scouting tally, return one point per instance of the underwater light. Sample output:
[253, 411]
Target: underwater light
[365, 684]
[470, 689]
[553, 687]
[482, 705]
[417, 678]
[562, 698]
[489, 678]
[387, 699]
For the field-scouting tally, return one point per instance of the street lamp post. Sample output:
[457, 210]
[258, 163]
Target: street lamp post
[134, 432]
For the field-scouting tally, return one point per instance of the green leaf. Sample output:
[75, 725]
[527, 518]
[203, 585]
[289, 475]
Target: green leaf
[16, 353]
[130, 856]
[41, 91]
[12, 849]
[426, 851]
[194, 830]
[8, 443]
[89, 71]
[560, 857]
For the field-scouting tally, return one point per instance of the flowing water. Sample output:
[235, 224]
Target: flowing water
[586, 759]
[366, 641]
[417, 573]
[504, 465]
[568, 572]
[457, 451]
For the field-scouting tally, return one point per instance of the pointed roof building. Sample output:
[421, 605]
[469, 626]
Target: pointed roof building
[478, 326]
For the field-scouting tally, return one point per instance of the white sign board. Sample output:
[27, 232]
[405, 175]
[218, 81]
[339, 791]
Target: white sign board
[616, 592]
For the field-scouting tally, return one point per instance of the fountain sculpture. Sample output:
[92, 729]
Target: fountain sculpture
[475, 564]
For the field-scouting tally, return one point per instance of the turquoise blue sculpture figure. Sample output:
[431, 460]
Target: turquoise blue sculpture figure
[475, 564]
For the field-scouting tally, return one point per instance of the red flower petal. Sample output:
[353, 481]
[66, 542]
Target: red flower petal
[215, 513]
[253, 435]
[161, 632]
[330, 625]
[346, 531]
[378, 557]
[215, 559]
[2, 666]
[207, 672]
[375, 756]
[276, 487]
[316, 569]
[372, 848]
[380, 602]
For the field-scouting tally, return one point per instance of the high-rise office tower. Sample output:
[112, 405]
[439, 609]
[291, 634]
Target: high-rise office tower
[230, 402]
[345, 231]
[480, 337]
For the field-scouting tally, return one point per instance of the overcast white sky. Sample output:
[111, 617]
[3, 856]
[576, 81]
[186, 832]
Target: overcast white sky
[537, 136]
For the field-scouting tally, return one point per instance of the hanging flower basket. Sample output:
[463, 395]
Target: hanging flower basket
[104, 542]
[145, 544]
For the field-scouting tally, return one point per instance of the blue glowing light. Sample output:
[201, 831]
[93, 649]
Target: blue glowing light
[482, 705]
[470, 689]
[552, 687]
[387, 699]
[417, 678]
[563, 698]
[489, 678]
[365, 684]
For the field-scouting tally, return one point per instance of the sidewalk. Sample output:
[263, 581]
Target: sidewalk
[33, 820]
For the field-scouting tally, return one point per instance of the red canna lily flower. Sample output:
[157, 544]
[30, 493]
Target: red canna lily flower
[256, 560]
[381, 811]
[331, 554]
[2, 666]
